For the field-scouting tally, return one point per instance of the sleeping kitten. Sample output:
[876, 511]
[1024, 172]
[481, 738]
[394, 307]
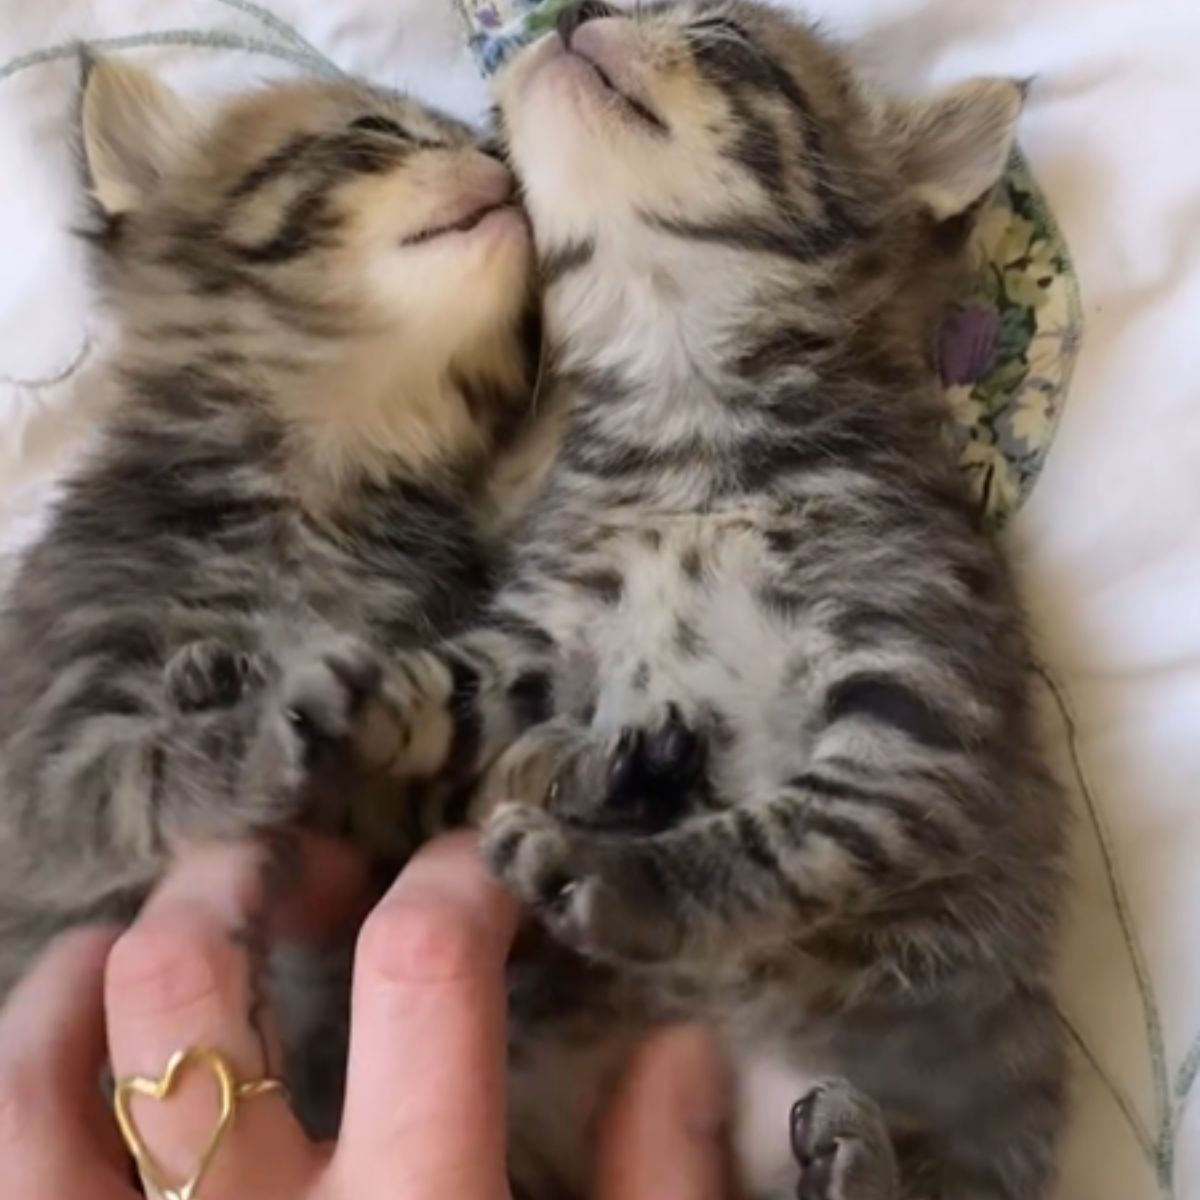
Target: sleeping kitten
[324, 297]
[778, 768]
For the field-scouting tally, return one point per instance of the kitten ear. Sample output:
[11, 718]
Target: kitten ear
[955, 145]
[134, 129]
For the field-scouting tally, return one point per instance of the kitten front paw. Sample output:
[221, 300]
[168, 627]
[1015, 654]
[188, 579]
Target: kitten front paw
[841, 1145]
[307, 723]
[597, 894]
[323, 691]
[408, 725]
[556, 765]
[208, 673]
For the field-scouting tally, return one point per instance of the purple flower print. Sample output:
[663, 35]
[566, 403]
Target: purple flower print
[967, 344]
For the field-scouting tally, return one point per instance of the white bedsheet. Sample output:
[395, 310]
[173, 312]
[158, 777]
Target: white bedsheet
[1110, 541]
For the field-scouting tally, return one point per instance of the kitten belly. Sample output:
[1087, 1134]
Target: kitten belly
[765, 1089]
[672, 639]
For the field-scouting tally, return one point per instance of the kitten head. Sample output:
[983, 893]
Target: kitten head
[322, 224]
[733, 130]
[320, 196]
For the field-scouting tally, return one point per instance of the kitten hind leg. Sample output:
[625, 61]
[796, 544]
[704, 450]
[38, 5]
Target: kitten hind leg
[841, 1146]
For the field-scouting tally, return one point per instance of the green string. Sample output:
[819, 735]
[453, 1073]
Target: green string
[278, 26]
[199, 39]
[1114, 1089]
[1160, 1151]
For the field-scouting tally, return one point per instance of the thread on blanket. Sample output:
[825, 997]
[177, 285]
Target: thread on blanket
[197, 38]
[1143, 1136]
[1169, 1108]
[73, 364]
[280, 27]
[1185, 1077]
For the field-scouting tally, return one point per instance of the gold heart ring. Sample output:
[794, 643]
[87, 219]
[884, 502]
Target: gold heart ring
[229, 1092]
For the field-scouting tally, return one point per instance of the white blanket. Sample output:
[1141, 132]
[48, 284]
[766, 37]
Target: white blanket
[1110, 541]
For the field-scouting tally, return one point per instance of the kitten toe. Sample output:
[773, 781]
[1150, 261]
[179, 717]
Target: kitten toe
[529, 852]
[625, 766]
[534, 854]
[322, 695]
[841, 1145]
[301, 758]
[208, 674]
[356, 664]
[676, 753]
[408, 724]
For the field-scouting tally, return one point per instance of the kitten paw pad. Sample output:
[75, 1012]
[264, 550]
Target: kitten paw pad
[654, 773]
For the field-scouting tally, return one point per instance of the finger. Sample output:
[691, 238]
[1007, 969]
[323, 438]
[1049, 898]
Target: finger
[425, 1095]
[55, 1130]
[176, 980]
[329, 894]
[303, 885]
[663, 1138]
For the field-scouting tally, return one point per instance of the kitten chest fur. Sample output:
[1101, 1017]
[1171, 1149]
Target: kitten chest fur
[677, 613]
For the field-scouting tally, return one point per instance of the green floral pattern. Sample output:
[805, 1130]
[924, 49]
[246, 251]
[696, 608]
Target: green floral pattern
[1007, 405]
[1006, 350]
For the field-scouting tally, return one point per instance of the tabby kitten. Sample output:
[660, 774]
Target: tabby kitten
[323, 296]
[757, 691]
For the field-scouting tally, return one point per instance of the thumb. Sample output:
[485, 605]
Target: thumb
[664, 1138]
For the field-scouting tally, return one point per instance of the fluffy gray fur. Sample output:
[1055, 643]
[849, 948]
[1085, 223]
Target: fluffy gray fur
[291, 480]
[753, 709]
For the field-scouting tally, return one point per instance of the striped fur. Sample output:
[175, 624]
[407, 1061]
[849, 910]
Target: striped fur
[311, 390]
[754, 704]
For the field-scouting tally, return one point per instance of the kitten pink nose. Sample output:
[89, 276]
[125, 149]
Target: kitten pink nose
[485, 180]
[606, 44]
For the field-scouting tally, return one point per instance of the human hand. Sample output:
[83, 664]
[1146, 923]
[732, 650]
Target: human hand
[664, 1136]
[425, 1108]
